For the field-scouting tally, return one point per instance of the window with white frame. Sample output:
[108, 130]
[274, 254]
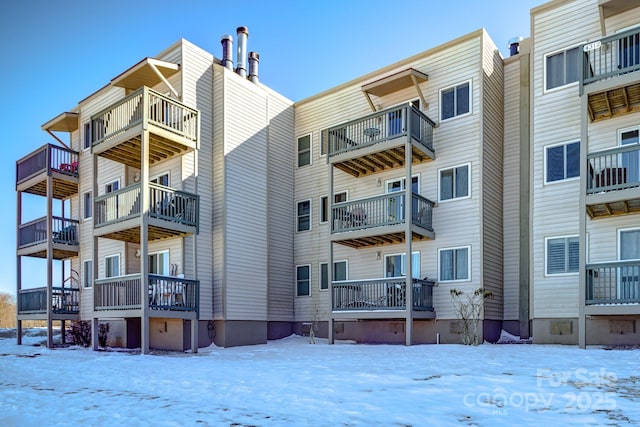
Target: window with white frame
[87, 136]
[87, 273]
[303, 214]
[159, 263]
[324, 204]
[112, 265]
[455, 182]
[455, 100]
[630, 160]
[562, 255]
[162, 179]
[395, 265]
[454, 264]
[88, 204]
[561, 68]
[303, 280]
[339, 273]
[304, 150]
[562, 162]
[112, 186]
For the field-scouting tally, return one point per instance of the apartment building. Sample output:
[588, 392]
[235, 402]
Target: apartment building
[192, 204]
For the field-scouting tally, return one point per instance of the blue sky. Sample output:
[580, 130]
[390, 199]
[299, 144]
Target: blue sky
[55, 53]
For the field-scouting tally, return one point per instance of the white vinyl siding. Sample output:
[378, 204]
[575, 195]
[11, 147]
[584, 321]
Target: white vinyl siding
[562, 162]
[304, 150]
[562, 255]
[455, 101]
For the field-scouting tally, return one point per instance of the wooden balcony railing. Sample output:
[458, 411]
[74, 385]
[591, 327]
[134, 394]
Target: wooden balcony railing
[144, 104]
[48, 158]
[63, 300]
[615, 282]
[165, 293]
[380, 127]
[381, 294]
[613, 169]
[64, 231]
[378, 211]
[610, 56]
[165, 203]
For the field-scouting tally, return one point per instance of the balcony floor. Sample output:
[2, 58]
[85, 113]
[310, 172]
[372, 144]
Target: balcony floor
[614, 102]
[614, 203]
[127, 232]
[64, 186]
[365, 239]
[60, 251]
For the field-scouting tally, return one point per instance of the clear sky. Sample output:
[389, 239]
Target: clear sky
[55, 53]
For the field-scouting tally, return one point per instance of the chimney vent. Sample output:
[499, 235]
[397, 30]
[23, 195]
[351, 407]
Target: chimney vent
[514, 45]
[254, 59]
[227, 51]
[243, 34]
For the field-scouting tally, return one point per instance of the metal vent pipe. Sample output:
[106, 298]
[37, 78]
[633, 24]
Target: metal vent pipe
[254, 59]
[243, 34]
[227, 51]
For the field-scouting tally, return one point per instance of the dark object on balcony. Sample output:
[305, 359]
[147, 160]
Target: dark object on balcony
[66, 235]
[609, 177]
[357, 217]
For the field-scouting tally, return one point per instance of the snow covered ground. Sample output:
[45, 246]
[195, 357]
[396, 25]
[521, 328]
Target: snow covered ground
[290, 382]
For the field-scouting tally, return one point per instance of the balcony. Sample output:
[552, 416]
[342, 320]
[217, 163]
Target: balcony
[381, 298]
[613, 181]
[172, 213]
[610, 75]
[116, 132]
[33, 239]
[376, 142]
[32, 303]
[167, 296]
[380, 220]
[613, 288]
[53, 161]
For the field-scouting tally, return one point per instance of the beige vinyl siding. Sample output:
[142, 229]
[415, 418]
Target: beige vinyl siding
[511, 190]
[556, 119]
[197, 75]
[491, 180]
[218, 184]
[245, 157]
[279, 209]
[620, 21]
[603, 238]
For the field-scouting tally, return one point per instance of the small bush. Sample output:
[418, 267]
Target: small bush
[103, 333]
[80, 333]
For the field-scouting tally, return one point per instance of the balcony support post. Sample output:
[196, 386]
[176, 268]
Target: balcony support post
[408, 221]
[49, 259]
[582, 269]
[96, 260]
[330, 266]
[18, 270]
[144, 236]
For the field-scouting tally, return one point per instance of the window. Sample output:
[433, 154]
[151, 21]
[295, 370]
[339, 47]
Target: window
[304, 150]
[87, 273]
[324, 142]
[395, 265]
[88, 203]
[324, 204]
[339, 273]
[304, 215]
[562, 162]
[87, 135]
[562, 255]
[159, 263]
[112, 266]
[454, 264]
[630, 160]
[303, 280]
[161, 179]
[455, 100]
[455, 182]
[629, 244]
[561, 68]
[112, 186]
[629, 275]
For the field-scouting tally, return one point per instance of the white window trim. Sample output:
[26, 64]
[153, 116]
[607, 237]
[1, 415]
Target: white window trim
[83, 142]
[320, 264]
[345, 192]
[84, 273]
[468, 247]
[310, 135]
[546, 256]
[619, 231]
[310, 215]
[544, 70]
[470, 81]
[544, 159]
[627, 129]
[384, 263]
[156, 176]
[453, 199]
[111, 183]
[163, 251]
[310, 281]
[388, 181]
[119, 264]
[84, 205]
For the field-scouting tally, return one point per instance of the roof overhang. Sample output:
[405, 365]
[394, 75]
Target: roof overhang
[394, 83]
[65, 122]
[609, 8]
[148, 72]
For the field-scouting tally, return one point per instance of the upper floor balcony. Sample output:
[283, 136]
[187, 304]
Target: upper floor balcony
[613, 181]
[381, 298]
[116, 132]
[613, 288]
[172, 213]
[59, 163]
[380, 220]
[376, 142]
[32, 303]
[33, 239]
[610, 76]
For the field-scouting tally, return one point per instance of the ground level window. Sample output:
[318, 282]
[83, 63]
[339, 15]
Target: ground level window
[454, 264]
[562, 255]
